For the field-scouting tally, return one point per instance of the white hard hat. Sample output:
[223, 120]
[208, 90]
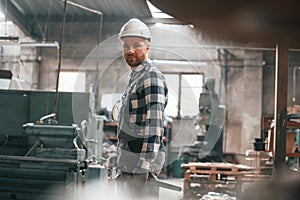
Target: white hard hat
[135, 28]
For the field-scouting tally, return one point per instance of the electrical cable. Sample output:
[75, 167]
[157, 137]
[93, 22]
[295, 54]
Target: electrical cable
[59, 57]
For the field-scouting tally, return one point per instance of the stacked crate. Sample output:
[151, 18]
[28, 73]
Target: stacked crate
[201, 178]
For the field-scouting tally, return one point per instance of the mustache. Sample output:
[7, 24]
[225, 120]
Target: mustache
[130, 57]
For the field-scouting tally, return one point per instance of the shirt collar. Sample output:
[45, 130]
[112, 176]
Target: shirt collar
[140, 68]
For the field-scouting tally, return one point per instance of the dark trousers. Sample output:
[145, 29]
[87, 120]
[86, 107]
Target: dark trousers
[129, 188]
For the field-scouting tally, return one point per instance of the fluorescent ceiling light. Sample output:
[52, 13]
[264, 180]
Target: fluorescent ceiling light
[156, 13]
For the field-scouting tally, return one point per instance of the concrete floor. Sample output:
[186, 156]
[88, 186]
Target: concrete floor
[165, 194]
[107, 190]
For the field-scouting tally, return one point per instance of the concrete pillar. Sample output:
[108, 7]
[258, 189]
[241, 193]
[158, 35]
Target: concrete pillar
[252, 99]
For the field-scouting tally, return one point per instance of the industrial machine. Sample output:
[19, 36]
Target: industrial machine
[57, 158]
[208, 146]
[53, 166]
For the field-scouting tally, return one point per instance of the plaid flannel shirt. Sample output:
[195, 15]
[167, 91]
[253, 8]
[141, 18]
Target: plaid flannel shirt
[143, 112]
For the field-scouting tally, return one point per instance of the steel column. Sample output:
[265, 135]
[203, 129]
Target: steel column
[280, 114]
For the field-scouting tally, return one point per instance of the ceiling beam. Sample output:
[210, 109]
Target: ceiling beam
[16, 16]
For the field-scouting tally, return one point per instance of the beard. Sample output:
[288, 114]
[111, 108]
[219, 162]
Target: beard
[134, 61]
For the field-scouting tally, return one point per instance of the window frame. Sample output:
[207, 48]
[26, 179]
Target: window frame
[179, 100]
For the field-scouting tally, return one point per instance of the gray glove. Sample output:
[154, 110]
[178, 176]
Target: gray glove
[140, 178]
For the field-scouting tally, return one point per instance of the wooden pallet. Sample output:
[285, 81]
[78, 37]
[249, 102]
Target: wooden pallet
[201, 177]
[216, 166]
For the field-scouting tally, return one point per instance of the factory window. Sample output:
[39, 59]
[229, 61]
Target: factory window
[72, 81]
[191, 87]
[173, 85]
[184, 92]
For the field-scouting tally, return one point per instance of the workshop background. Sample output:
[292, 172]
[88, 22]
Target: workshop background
[219, 85]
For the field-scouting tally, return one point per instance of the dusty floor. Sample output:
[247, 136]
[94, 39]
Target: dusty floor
[165, 194]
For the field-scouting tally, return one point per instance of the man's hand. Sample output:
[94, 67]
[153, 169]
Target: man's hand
[140, 178]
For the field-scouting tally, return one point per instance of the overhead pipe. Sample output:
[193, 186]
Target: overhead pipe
[31, 44]
[83, 7]
[219, 47]
[180, 63]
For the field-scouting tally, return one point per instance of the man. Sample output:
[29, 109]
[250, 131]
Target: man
[140, 147]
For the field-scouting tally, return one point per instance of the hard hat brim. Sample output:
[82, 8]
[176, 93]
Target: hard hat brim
[126, 36]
